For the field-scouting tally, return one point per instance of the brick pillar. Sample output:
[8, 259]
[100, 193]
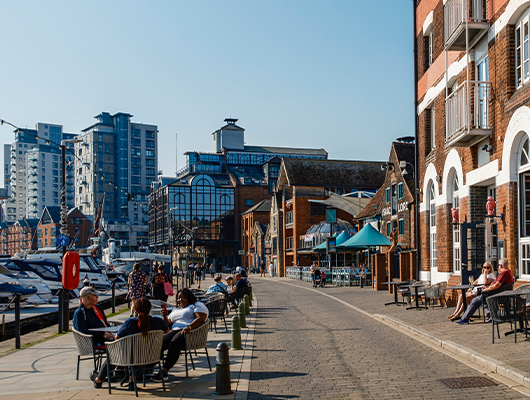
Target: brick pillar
[379, 270]
[390, 269]
[412, 274]
[404, 266]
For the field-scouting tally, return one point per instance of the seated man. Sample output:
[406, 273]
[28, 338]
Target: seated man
[90, 315]
[218, 286]
[505, 277]
[240, 281]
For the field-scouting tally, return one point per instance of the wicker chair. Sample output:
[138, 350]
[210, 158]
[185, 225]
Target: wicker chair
[405, 292]
[506, 309]
[435, 292]
[195, 340]
[135, 351]
[526, 297]
[85, 348]
[217, 310]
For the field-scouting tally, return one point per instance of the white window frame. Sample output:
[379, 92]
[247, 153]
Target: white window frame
[523, 165]
[457, 255]
[432, 228]
[522, 49]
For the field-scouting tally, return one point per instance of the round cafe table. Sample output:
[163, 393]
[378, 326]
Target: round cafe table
[463, 289]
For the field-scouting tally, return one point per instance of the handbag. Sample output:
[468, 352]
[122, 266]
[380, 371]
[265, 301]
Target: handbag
[168, 288]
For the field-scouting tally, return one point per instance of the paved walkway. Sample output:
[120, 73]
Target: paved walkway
[333, 340]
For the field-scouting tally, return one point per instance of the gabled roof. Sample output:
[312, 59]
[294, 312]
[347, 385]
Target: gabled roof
[287, 150]
[262, 206]
[405, 152]
[51, 213]
[329, 173]
[372, 208]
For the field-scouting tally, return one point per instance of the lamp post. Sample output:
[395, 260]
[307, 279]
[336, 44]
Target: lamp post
[170, 236]
[64, 304]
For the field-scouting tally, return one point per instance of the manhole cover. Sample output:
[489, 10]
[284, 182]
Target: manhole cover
[468, 382]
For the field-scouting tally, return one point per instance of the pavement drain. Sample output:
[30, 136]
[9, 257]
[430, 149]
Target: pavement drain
[468, 382]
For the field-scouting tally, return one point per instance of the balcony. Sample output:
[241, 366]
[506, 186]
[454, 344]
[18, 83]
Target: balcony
[459, 14]
[33, 202]
[33, 172]
[33, 165]
[467, 114]
[33, 180]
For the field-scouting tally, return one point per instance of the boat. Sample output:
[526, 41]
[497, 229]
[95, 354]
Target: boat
[43, 295]
[9, 287]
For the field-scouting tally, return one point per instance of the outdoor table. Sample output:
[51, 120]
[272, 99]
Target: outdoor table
[395, 284]
[106, 329]
[416, 286]
[463, 289]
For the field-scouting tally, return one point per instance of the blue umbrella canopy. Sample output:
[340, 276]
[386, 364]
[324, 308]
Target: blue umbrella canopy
[343, 237]
[368, 236]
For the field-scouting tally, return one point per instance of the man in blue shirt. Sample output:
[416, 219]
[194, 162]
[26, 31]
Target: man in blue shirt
[218, 286]
[90, 315]
[240, 282]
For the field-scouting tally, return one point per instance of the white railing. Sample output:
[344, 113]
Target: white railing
[459, 114]
[458, 12]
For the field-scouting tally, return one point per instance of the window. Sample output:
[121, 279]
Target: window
[427, 49]
[432, 230]
[482, 94]
[317, 209]
[400, 190]
[524, 212]
[388, 195]
[388, 228]
[289, 218]
[431, 130]
[401, 227]
[249, 202]
[522, 72]
[457, 266]
[149, 153]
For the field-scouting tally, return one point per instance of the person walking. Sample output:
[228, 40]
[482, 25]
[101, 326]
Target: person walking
[138, 282]
[198, 275]
[158, 283]
[271, 270]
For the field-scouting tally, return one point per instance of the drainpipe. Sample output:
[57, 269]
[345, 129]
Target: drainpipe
[416, 144]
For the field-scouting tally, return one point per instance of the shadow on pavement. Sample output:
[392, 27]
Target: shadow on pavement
[256, 376]
[254, 395]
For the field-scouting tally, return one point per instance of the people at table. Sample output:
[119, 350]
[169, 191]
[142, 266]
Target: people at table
[505, 277]
[485, 279]
[240, 281]
[137, 285]
[188, 315]
[218, 286]
[142, 323]
[90, 315]
[158, 282]
[230, 286]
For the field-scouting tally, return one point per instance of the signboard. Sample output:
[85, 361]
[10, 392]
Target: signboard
[63, 240]
[267, 251]
[252, 250]
[331, 215]
[331, 243]
[241, 252]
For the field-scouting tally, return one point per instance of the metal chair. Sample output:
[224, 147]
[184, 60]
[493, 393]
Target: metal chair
[435, 292]
[405, 292]
[195, 340]
[85, 348]
[217, 309]
[506, 309]
[135, 351]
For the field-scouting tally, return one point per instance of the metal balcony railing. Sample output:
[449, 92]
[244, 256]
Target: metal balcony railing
[458, 14]
[467, 114]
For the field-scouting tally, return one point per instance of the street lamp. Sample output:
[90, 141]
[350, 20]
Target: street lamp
[170, 235]
[64, 309]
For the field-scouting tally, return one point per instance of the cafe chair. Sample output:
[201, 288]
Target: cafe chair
[526, 297]
[510, 309]
[197, 339]
[217, 310]
[405, 291]
[135, 351]
[435, 292]
[85, 348]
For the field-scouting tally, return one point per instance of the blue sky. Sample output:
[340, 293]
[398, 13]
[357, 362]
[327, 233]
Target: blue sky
[336, 74]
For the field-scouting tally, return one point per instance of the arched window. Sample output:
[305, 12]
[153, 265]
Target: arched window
[524, 211]
[432, 225]
[457, 266]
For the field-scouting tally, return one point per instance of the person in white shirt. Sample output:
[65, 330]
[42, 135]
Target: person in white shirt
[485, 279]
[189, 314]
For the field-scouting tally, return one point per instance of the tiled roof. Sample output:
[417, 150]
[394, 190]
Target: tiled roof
[262, 206]
[329, 173]
[372, 208]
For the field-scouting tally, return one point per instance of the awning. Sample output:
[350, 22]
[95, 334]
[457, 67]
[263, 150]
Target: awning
[352, 205]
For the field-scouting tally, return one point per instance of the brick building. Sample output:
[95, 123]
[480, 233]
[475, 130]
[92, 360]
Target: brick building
[303, 180]
[253, 227]
[18, 237]
[472, 81]
[393, 208]
[79, 228]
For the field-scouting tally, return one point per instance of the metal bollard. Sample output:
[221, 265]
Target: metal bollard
[17, 321]
[222, 370]
[241, 313]
[246, 302]
[236, 333]
[250, 296]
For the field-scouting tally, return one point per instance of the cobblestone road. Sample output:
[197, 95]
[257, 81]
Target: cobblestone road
[310, 346]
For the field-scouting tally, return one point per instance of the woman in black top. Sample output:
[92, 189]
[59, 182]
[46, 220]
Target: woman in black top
[158, 284]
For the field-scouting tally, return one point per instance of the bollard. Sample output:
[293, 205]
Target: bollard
[236, 333]
[17, 321]
[241, 313]
[250, 295]
[113, 297]
[222, 370]
[246, 302]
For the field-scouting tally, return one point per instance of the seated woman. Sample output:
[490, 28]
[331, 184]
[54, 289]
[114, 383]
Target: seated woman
[189, 314]
[485, 279]
[143, 323]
